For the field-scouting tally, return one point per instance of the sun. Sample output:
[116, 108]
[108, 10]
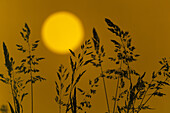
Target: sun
[62, 31]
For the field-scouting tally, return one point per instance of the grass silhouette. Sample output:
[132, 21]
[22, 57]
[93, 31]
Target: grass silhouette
[136, 93]
[15, 82]
[29, 64]
[97, 62]
[77, 62]
[131, 94]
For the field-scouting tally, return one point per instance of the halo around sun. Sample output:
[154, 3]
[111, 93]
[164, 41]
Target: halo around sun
[62, 31]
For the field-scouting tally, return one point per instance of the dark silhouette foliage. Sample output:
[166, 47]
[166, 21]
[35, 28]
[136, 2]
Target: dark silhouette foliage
[77, 62]
[16, 74]
[29, 64]
[131, 94]
[135, 94]
[15, 82]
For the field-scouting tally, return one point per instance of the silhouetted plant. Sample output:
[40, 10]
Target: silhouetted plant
[97, 62]
[15, 82]
[132, 92]
[124, 51]
[28, 64]
[136, 92]
[62, 75]
[76, 62]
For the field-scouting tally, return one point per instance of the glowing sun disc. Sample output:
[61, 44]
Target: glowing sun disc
[62, 31]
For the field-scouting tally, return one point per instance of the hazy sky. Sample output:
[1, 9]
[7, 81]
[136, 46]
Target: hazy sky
[148, 22]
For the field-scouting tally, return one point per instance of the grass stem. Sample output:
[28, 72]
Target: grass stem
[104, 84]
[117, 87]
[32, 102]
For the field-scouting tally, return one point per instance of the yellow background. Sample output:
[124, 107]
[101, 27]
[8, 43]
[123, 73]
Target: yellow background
[148, 22]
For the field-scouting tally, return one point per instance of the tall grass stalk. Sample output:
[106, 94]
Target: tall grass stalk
[105, 90]
[100, 53]
[135, 96]
[15, 82]
[76, 62]
[31, 85]
[28, 64]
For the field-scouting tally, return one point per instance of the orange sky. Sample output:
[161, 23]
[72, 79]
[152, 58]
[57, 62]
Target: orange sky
[148, 22]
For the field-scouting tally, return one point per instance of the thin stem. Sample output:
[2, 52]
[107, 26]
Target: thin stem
[145, 95]
[128, 68]
[13, 81]
[72, 87]
[12, 89]
[31, 94]
[139, 107]
[31, 79]
[135, 101]
[126, 61]
[130, 89]
[60, 105]
[69, 99]
[117, 87]
[150, 96]
[133, 110]
[60, 94]
[146, 101]
[104, 84]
